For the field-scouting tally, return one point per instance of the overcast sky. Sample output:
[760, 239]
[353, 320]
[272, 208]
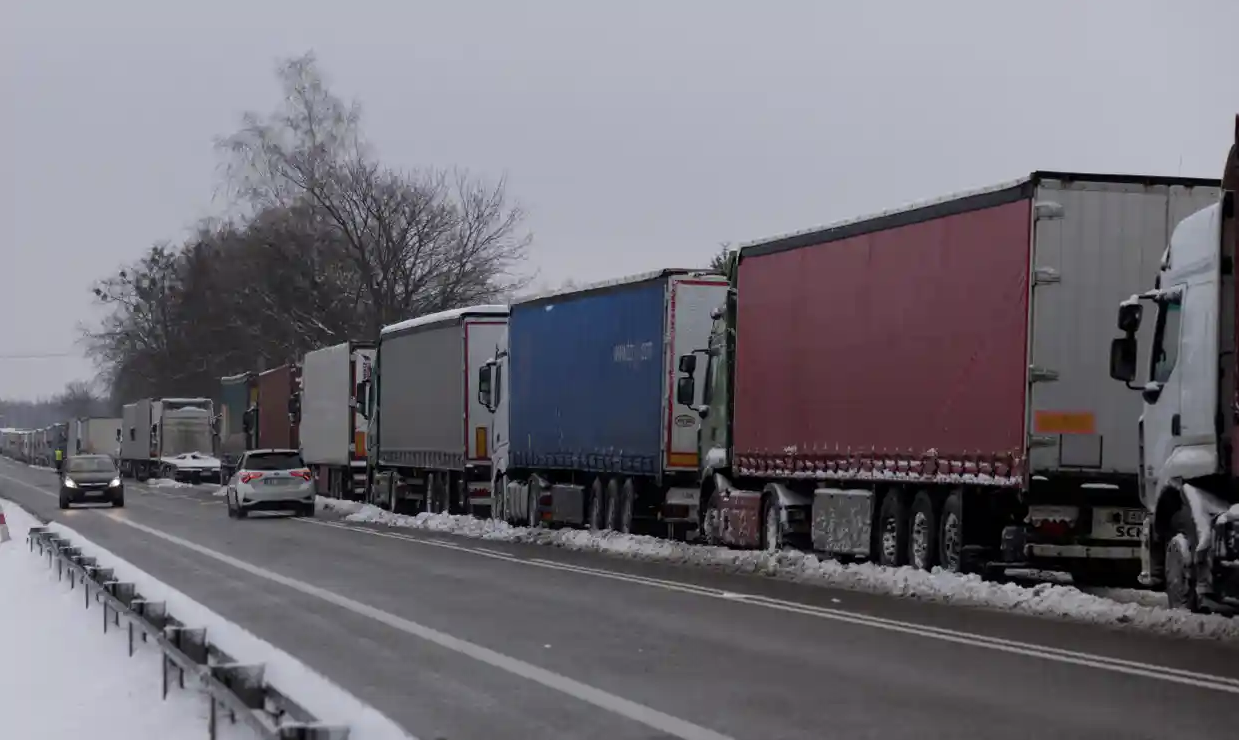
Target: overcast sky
[639, 134]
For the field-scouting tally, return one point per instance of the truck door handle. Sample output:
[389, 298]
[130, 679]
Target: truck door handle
[1175, 425]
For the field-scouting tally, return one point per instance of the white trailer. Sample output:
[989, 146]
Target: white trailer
[334, 422]
[170, 438]
[94, 436]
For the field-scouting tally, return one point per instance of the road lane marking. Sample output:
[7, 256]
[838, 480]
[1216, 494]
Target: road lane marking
[586, 693]
[1079, 658]
[1123, 666]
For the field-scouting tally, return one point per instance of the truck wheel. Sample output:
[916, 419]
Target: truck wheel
[772, 527]
[951, 533]
[893, 530]
[531, 493]
[923, 533]
[1179, 568]
[598, 503]
[613, 505]
[499, 511]
[628, 497]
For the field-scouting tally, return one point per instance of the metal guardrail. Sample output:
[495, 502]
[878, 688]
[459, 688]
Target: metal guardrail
[239, 689]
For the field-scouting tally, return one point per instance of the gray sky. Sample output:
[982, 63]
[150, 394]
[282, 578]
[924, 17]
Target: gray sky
[639, 133]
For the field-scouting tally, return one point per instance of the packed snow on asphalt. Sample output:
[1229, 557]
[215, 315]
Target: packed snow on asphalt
[61, 677]
[1131, 609]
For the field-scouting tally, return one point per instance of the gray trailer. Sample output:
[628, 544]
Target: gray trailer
[430, 435]
[169, 438]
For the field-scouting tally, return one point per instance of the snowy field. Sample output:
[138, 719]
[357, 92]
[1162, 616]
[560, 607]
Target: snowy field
[1131, 608]
[61, 677]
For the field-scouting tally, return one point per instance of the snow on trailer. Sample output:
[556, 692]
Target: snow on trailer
[925, 386]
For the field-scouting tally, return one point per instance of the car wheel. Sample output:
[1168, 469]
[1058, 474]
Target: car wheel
[307, 510]
[119, 502]
[64, 502]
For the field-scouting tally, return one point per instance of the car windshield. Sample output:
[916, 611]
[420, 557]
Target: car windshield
[274, 461]
[91, 464]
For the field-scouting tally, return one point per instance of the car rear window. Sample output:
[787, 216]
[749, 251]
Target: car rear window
[274, 461]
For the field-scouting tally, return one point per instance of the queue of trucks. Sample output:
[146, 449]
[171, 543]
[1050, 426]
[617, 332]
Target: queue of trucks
[927, 386]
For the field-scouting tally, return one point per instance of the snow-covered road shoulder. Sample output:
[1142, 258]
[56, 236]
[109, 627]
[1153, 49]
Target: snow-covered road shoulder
[318, 695]
[1047, 600]
[62, 678]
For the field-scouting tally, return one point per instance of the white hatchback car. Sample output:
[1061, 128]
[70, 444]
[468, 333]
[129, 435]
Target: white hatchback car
[271, 480]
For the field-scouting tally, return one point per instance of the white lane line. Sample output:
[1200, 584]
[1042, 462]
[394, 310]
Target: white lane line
[1122, 666]
[586, 693]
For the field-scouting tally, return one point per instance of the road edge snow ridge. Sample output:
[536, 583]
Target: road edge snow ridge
[311, 689]
[1044, 600]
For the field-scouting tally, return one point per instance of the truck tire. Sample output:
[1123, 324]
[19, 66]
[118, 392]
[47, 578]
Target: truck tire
[951, 533]
[1179, 568]
[923, 533]
[893, 530]
[613, 505]
[628, 499]
[596, 519]
[772, 526]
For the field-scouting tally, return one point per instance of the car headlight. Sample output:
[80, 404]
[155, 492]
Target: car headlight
[69, 483]
[115, 483]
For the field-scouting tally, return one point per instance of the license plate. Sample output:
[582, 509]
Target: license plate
[275, 481]
[95, 492]
[1117, 524]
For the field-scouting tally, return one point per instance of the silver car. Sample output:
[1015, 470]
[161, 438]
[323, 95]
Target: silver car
[271, 480]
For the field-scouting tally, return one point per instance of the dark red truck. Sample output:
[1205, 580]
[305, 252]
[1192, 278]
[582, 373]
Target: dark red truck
[930, 386]
[277, 408]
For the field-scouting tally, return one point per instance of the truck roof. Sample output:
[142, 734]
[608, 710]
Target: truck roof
[944, 206]
[608, 283]
[459, 312]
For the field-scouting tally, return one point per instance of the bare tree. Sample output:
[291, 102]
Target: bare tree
[417, 242]
[721, 262]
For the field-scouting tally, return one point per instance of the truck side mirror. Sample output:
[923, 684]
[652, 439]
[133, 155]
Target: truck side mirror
[1129, 320]
[484, 384]
[688, 364]
[1124, 359]
[685, 390]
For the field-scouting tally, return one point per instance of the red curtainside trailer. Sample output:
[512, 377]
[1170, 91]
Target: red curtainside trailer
[907, 340]
[925, 386]
[277, 408]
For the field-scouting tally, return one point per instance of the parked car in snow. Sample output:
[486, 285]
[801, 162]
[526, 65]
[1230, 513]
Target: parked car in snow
[91, 479]
[271, 480]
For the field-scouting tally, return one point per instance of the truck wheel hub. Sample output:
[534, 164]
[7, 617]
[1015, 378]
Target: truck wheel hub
[921, 541]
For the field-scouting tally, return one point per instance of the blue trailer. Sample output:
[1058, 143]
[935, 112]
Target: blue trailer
[587, 428]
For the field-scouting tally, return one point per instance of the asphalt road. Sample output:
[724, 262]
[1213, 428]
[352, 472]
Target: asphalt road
[461, 638]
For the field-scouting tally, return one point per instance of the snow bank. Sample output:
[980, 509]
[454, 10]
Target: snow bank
[314, 692]
[1046, 599]
[61, 677]
[166, 483]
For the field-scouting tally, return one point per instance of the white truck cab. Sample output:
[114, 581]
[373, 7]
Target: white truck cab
[1187, 430]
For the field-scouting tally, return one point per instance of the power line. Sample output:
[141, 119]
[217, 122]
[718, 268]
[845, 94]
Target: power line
[52, 355]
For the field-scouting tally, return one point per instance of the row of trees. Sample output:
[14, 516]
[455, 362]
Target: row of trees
[77, 400]
[322, 243]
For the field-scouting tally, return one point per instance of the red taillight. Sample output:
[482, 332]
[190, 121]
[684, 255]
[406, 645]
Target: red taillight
[303, 474]
[247, 477]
